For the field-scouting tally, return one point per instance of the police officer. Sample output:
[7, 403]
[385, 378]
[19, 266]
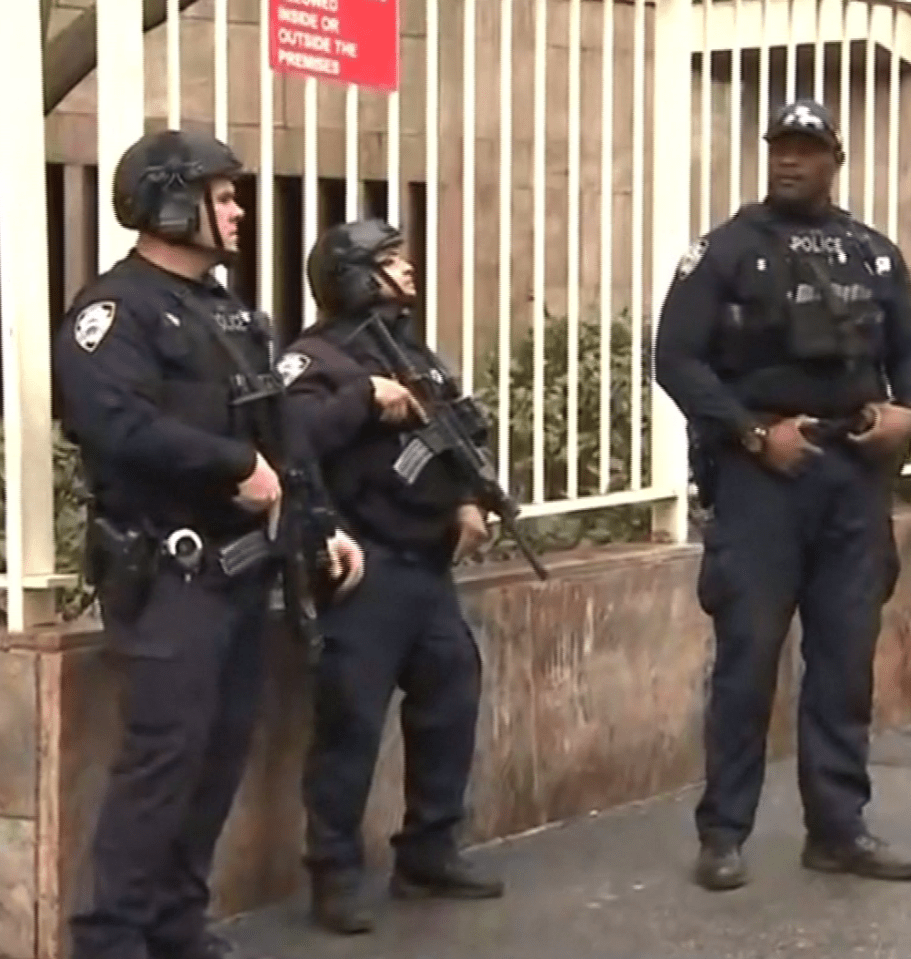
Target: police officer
[785, 339]
[148, 360]
[403, 627]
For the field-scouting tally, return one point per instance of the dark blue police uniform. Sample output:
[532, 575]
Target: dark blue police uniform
[773, 316]
[403, 626]
[147, 396]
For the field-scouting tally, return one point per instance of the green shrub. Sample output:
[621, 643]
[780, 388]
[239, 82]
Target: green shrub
[69, 518]
[614, 524]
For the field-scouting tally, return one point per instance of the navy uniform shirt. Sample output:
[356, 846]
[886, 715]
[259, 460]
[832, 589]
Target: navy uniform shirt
[146, 395]
[737, 263]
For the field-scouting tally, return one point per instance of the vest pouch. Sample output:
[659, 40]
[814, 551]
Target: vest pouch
[863, 332]
[745, 330]
[815, 334]
[205, 406]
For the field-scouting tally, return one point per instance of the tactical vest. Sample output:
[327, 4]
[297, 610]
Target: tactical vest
[796, 313]
[196, 380]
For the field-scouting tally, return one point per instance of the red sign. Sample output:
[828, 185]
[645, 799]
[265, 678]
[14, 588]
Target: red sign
[350, 41]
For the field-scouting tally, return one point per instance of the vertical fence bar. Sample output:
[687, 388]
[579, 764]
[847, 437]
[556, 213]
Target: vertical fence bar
[869, 118]
[538, 176]
[844, 114]
[469, 112]
[394, 158]
[432, 137]
[705, 130]
[735, 195]
[637, 244]
[765, 92]
[791, 62]
[819, 57]
[505, 248]
[121, 111]
[311, 186]
[607, 232]
[670, 233]
[220, 40]
[172, 29]
[894, 95]
[265, 180]
[221, 69]
[352, 176]
[25, 326]
[574, 185]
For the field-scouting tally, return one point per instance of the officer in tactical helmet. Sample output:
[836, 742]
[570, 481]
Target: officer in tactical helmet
[403, 627]
[150, 359]
[785, 339]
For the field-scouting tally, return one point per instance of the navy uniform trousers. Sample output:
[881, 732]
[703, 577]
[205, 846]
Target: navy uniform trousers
[192, 667]
[402, 627]
[820, 544]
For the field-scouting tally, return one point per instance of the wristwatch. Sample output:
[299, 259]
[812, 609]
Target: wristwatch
[754, 438]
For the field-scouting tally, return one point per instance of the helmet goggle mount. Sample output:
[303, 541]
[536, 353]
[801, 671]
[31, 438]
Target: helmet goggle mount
[169, 197]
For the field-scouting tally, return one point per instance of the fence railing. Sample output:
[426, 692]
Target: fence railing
[545, 158]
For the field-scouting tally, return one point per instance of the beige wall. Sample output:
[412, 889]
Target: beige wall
[72, 137]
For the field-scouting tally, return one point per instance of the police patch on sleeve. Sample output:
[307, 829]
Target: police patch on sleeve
[693, 256]
[93, 323]
[291, 366]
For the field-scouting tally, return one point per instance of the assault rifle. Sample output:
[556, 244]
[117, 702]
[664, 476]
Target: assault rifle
[447, 428]
[305, 525]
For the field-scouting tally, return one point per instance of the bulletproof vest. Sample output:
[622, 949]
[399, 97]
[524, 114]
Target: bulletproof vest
[197, 377]
[806, 310]
[228, 352]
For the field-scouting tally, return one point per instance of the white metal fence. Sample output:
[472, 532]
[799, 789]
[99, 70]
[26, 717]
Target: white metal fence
[567, 151]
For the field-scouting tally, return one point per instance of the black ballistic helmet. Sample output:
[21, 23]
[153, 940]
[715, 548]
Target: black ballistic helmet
[162, 178]
[343, 265]
[810, 118]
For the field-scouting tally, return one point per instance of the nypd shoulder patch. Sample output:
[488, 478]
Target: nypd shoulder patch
[93, 323]
[291, 366]
[692, 258]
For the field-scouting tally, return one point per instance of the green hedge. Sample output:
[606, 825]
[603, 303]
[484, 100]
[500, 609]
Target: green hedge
[615, 524]
[69, 517]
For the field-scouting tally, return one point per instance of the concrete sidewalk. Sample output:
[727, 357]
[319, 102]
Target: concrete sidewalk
[617, 886]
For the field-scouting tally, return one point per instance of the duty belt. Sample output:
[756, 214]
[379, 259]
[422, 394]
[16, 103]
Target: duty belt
[825, 429]
[188, 550]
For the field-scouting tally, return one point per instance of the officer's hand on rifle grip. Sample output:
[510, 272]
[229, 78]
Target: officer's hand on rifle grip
[346, 560]
[261, 489]
[395, 401]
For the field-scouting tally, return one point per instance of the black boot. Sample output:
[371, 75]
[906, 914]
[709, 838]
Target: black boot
[449, 878]
[207, 946]
[720, 867]
[339, 903]
[862, 856]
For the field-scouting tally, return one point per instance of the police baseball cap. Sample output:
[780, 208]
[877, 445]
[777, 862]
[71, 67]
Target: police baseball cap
[808, 117]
